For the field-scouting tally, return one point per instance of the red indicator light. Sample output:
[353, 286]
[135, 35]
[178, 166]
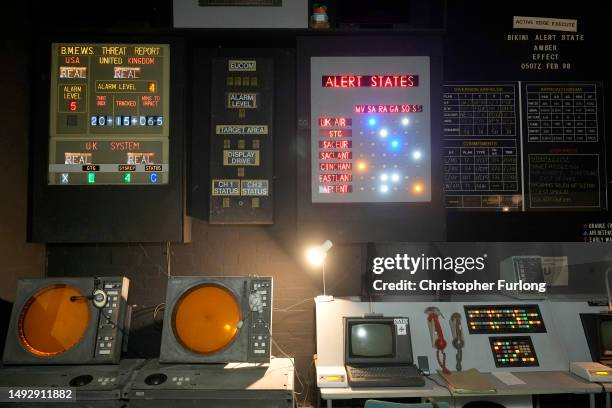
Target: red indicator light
[335, 155]
[339, 189]
[334, 133]
[370, 81]
[418, 188]
[72, 105]
[335, 166]
[335, 122]
[335, 178]
[335, 144]
[403, 108]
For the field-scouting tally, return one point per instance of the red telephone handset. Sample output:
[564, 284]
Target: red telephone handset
[437, 336]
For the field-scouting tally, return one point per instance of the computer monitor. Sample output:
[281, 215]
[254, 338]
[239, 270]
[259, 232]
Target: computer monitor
[598, 333]
[605, 336]
[377, 340]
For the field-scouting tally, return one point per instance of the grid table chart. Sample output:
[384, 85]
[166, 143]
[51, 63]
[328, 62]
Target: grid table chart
[481, 147]
[487, 169]
[479, 111]
[562, 113]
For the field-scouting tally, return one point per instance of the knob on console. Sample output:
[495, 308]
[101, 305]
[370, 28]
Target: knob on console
[156, 379]
[81, 380]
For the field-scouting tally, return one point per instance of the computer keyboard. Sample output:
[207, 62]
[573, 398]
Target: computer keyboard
[384, 376]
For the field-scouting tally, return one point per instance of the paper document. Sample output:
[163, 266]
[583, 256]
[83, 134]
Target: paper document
[468, 382]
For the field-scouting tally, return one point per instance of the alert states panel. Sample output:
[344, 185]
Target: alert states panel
[369, 123]
[370, 129]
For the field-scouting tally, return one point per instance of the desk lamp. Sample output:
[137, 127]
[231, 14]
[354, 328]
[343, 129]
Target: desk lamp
[316, 257]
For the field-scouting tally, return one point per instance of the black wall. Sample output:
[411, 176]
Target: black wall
[19, 258]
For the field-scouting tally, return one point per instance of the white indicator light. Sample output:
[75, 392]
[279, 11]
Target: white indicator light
[405, 121]
[384, 177]
[384, 188]
[416, 155]
[395, 177]
[383, 133]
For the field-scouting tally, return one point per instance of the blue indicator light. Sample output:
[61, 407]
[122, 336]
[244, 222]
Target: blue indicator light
[395, 144]
[372, 121]
[153, 177]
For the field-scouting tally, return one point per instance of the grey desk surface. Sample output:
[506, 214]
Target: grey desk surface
[537, 382]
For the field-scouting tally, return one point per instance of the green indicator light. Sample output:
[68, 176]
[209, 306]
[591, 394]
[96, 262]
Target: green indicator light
[127, 178]
[91, 178]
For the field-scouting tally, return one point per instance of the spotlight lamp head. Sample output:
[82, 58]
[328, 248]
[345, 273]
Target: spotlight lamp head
[315, 255]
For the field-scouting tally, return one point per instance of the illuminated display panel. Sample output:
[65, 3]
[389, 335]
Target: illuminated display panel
[513, 352]
[51, 323]
[206, 319]
[487, 319]
[109, 114]
[370, 129]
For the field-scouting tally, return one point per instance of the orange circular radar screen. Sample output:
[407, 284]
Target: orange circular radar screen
[51, 323]
[206, 319]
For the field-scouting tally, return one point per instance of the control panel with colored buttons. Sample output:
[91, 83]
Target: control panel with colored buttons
[513, 351]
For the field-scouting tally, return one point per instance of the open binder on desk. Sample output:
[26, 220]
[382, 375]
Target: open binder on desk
[468, 382]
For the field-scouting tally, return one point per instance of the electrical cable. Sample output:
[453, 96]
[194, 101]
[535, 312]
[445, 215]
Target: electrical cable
[110, 321]
[287, 309]
[159, 266]
[168, 258]
[158, 308]
[429, 377]
[296, 372]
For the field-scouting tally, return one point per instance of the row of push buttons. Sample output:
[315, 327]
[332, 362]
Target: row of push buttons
[180, 380]
[106, 380]
[261, 289]
[259, 342]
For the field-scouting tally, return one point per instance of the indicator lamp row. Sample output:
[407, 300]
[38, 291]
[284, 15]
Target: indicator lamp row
[126, 120]
[404, 121]
[417, 188]
[127, 178]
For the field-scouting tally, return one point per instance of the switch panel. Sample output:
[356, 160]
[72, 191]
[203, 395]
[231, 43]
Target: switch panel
[111, 318]
[260, 325]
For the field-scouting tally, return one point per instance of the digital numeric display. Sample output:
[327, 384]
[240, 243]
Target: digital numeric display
[109, 114]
